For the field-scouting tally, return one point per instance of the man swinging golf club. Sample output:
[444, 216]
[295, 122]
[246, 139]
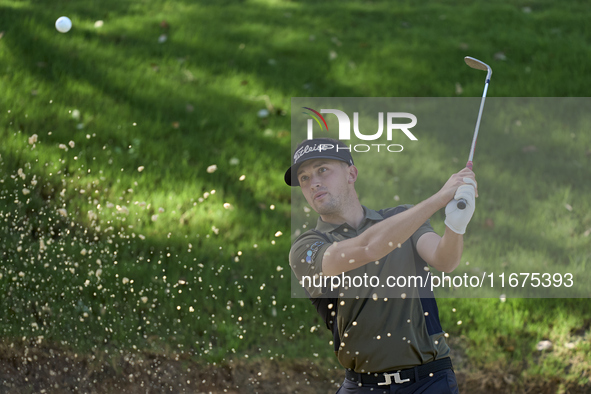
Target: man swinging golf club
[389, 344]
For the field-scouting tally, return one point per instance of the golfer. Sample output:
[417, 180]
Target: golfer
[386, 344]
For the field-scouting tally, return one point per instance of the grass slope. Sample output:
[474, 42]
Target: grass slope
[153, 260]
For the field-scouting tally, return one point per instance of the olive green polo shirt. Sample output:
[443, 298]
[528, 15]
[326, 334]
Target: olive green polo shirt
[381, 328]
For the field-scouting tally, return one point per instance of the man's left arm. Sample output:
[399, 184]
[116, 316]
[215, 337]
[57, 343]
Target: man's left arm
[442, 253]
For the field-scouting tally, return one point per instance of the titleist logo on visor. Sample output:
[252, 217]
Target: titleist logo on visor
[308, 148]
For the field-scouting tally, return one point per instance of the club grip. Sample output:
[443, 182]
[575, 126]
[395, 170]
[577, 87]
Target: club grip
[461, 202]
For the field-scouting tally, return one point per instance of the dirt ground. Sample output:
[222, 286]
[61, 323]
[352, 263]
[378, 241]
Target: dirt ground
[46, 369]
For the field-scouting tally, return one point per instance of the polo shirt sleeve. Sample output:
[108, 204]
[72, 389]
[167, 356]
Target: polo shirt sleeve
[305, 259]
[424, 229]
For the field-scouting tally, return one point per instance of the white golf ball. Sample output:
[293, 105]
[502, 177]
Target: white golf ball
[63, 24]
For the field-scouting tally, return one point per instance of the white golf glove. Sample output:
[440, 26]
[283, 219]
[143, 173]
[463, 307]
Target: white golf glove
[457, 219]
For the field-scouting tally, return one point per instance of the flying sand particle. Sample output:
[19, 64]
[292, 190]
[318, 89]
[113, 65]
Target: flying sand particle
[123, 210]
[92, 216]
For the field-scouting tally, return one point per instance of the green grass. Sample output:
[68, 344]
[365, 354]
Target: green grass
[177, 107]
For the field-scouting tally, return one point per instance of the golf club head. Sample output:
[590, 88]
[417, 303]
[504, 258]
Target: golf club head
[478, 65]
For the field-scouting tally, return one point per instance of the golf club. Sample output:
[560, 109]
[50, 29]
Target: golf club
[479, 65]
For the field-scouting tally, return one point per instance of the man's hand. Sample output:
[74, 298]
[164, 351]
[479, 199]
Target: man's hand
[448, 191]
[457, 219]
[444, 253]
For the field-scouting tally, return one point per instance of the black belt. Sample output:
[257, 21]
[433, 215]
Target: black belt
[401, 376]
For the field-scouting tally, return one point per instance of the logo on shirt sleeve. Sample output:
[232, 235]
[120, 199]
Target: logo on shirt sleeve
[313, 251]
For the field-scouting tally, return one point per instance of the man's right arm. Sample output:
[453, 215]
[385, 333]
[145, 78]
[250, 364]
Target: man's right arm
[378, 240]
[385, 236]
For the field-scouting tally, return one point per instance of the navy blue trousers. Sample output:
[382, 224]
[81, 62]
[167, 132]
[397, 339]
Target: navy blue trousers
[442, 382]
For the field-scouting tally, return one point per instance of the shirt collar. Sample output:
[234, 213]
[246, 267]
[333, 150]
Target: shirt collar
[368, 214]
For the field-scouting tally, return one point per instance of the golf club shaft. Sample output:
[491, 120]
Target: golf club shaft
[471, 157]
[461, 202]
